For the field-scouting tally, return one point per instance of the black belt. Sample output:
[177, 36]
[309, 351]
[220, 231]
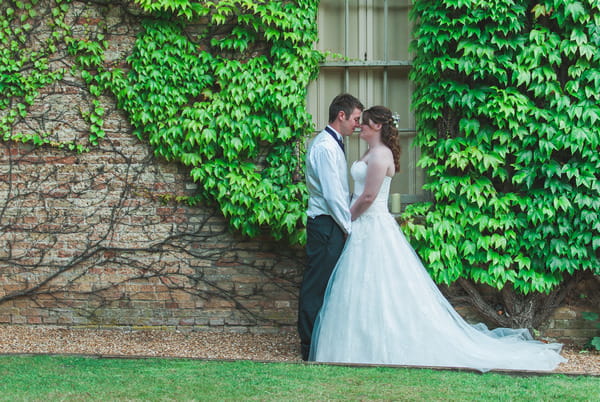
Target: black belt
[320, 216]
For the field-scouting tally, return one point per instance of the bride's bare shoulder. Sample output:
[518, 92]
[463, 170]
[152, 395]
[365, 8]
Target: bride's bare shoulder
[379, 155]
[383, 152]
[385, 157]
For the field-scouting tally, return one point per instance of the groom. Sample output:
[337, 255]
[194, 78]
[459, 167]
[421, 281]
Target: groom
[328, 209]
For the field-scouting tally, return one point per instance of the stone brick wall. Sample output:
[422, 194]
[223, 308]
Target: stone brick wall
[93, 239]
[569, 326]
[100, 239]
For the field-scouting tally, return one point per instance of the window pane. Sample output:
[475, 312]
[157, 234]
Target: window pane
[400, 91]
[371, 38]
[393, 31]
[320, 93]
[332, 26]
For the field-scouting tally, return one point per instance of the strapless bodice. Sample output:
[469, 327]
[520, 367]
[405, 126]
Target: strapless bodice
[359, 175]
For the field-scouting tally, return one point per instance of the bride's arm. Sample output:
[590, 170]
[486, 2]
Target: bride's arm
[376, 170]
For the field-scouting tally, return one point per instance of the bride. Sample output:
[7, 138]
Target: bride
[382, 307]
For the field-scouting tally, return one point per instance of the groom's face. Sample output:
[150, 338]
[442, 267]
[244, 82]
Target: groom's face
[350, 123]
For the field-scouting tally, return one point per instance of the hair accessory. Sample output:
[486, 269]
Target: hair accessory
[396, 120]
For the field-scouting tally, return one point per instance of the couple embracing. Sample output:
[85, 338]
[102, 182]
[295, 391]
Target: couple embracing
[366, 297]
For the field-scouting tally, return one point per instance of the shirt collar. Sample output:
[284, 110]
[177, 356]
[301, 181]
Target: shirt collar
[330, 129]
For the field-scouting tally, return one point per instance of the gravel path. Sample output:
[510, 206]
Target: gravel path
[36, 339]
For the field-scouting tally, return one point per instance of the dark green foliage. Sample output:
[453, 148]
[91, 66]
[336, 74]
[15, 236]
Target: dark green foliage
[24, 71]
[236, 115]
[507, 105]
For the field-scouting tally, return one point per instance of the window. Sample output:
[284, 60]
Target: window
[373, 37]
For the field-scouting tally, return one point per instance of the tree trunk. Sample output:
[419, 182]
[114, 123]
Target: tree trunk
[517, 310]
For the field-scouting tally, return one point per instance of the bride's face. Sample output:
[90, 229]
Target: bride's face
[369, 130]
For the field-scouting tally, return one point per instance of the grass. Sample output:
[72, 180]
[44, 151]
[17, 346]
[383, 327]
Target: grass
[85, 378]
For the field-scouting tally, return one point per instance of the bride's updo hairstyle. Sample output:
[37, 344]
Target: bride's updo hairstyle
[389, 133]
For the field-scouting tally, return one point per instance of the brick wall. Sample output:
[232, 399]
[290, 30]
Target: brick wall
[93, 239]
[566, 325]
[98, 238]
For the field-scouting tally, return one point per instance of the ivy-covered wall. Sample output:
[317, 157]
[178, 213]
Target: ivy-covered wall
[508, 120]
[217, 86]
[151, 156]
[139, 152]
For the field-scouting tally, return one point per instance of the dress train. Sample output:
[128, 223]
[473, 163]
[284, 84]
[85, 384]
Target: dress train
[382, 307]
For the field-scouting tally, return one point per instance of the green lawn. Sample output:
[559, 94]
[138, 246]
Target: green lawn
[85, 378]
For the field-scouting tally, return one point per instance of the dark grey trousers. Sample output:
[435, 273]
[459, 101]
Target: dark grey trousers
[324, 243]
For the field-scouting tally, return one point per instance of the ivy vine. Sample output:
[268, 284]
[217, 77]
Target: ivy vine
[507, 106]
[219, 86]
[25, 70]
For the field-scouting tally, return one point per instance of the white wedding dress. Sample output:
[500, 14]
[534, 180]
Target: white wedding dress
[382, 307]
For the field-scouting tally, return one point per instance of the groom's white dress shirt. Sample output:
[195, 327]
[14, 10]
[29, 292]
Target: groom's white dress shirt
[327, 180]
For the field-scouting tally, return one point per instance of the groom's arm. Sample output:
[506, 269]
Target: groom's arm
[333, 178]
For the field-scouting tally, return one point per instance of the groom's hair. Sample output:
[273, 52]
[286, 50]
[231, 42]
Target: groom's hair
[346, 103]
